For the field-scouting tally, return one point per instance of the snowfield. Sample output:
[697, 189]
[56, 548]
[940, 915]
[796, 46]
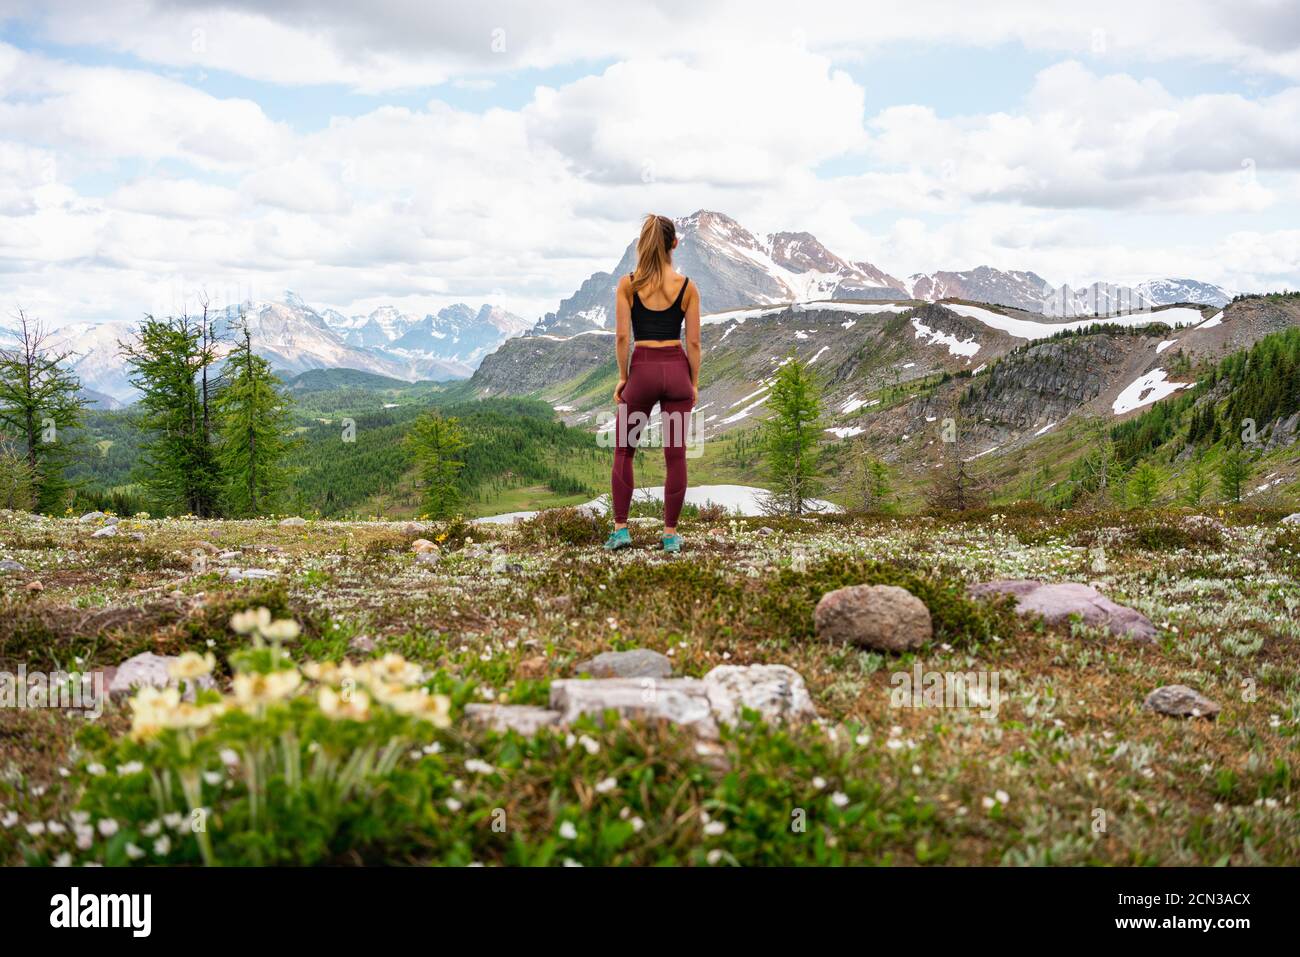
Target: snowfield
[739, 499]
[1029, 329]
[1149, 388]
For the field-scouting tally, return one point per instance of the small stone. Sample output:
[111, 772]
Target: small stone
[884, 617]
[9, 565]
[766, 531]
[207, 547]
[534, 668]
[362, 644]
[150, 670]
[111, 520]
[412, 528]
[423, 545]
[108, 531]
[637, 663]
[229, 556]
[1180, 701]
[776, 692]
[428, 558]
[91, 517]
[717, 532]
[1057, 602]
[35, 586]
[1292, 519]
[524, 718]
[292, 522]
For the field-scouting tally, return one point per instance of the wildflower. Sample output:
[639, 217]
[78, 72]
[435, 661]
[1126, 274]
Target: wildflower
[9, 820]
[247, 622]
[988, 803]
[63, 860]
[152, 829]
[257, 688]
[134, 852]
[79, 817]
[56, 828]
[107, 827]
[85, 836]
[174, 820]
[36, 828]
[606, 785]
[192, 665]
[1002, 796]
[434, 708]
[570, 862]
[819, 783]
[840, 799]
[591, 745]
[131, 767]
[453, 804]
[475, 766]
[284, 629]
[714, 828]
[714, 856]
[95, 769]
[354, 706]
[162, 846]
[212, 778]
[568, 831]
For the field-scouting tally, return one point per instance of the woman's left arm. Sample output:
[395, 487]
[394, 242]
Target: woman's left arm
[693, 337]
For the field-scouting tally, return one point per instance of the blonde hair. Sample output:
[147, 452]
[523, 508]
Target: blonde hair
[653, 252]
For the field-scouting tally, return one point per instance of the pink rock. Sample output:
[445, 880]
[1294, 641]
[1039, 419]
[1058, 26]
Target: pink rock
[1058, 602]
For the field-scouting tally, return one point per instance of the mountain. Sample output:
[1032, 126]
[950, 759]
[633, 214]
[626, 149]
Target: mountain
[296, 337]
[1020, 290]
[732, 267]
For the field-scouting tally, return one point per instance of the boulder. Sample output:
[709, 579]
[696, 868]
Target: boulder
[423, 545]
[524, 718]
[682, 701]
[9, 565]
[108, 531]
[1181, 701]
[429, 558]
[1292, 519]
[292, 522]
[249, 574]
[637, 663]
[776, 692]
[1057, 602]
[883, 617]
[150, 670]
[91, 517]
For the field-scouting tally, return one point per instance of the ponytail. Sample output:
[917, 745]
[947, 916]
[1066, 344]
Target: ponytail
[653, 252]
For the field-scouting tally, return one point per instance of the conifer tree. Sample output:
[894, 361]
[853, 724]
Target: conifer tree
[438, 445]
[791, 441]
[253, 429]
[1234, 470]
[40, 406]
[168, 359]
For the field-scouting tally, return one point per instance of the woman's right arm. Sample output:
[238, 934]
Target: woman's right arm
[622, 332]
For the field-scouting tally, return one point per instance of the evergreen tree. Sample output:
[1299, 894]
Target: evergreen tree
[40, 405]
[252, 432]
[168, 359]
[790, 440]
[1144, 485]
[1234, 470]
[1197, 484]
[438, 444]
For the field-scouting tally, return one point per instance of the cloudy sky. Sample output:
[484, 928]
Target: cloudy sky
[423, 153]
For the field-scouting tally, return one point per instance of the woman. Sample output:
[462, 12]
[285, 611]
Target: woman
[652, 304]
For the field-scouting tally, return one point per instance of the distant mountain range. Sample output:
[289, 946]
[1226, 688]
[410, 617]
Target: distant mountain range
[296, 337]
[732, 267]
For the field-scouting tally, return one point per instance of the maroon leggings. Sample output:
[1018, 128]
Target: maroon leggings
[657, 374]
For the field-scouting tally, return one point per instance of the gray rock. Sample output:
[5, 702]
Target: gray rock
[637, 663]
[111, 520]
[293, 522]
[150, 670]
[108, 531]
[681, 701]
[526, 719]
[1181, 701]
[1292, 519]
[776, 692]
[249, 574]
[1058, 602]
[429, 558]
[883, 617]
[9, 565]
[91, 517]
[764, 530]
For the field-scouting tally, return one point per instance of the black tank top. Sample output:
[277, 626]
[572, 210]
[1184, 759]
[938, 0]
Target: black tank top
[658, 323]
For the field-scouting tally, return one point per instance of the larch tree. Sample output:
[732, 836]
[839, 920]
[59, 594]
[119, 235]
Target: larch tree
[437, 445]
[40, 406]
[253, 428]
[791, 441]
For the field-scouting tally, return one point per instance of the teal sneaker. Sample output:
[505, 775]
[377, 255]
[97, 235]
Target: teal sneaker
[672, 543]
[619, 538]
